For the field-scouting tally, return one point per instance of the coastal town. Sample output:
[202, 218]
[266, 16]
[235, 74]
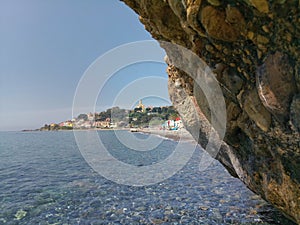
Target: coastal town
[165, 118]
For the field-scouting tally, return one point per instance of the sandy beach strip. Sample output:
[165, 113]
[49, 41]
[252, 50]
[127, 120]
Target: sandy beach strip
[177, 135]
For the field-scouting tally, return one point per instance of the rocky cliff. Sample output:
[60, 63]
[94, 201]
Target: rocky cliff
[252, 47]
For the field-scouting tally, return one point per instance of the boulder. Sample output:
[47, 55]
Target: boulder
[252, 47]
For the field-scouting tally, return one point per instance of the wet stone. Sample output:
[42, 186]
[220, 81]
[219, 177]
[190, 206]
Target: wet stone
[96, 204]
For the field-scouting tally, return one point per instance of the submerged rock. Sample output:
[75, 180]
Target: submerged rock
[255, 44]
[20, 214]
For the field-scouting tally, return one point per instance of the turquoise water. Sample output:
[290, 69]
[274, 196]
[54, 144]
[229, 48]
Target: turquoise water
[45, 180]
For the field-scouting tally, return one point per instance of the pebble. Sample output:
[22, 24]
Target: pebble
[265, 28]
[261, 5]
[203, 208]
[262, 40]
[259, 54]
[281, 1]
[209, 48]
[246, 60]
[250, 35]
[214, 2]
[20, 214]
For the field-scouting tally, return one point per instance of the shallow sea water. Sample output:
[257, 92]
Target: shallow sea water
[45, 180]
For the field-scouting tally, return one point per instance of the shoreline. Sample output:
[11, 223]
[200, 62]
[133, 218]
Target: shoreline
[89, 129]
[176, 135]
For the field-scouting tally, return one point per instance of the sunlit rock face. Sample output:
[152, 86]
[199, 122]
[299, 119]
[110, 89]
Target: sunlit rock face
[252, 46]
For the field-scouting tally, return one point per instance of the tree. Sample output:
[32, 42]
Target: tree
[173, 116]
[164, 109]
[138, 109]
[171, 110]
[83, 117]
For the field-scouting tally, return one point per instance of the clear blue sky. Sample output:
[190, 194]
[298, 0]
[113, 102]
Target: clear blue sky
[45, 48]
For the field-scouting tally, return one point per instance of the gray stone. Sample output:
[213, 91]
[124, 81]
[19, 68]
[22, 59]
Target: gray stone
[276, 85]
[295, 112]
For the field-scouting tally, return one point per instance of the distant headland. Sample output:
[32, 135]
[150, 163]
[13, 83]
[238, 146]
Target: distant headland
[165, 117]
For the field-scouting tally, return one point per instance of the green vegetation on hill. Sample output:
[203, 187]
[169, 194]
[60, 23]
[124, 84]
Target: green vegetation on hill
[117, 117]
[142, 119]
